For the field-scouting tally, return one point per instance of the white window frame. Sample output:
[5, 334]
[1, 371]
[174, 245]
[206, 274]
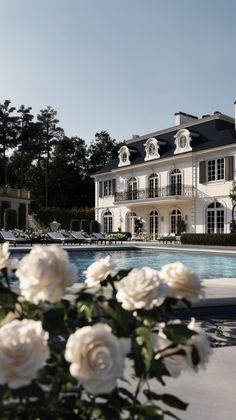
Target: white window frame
[216, 170]
[179, 147]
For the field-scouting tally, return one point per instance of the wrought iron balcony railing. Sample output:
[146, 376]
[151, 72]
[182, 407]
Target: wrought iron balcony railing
[158, 193]
[15, 193]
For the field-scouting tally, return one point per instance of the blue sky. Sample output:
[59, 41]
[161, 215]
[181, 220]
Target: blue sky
[125, 66]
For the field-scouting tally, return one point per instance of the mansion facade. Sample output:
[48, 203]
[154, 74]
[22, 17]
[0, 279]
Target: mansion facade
[184, 172]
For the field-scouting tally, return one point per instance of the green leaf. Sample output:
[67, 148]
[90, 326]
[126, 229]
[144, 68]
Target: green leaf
[168, 399]
[121, 273]
[119, 317]
[53, 320]
[143, 349]
[7, 297]
[178, 333]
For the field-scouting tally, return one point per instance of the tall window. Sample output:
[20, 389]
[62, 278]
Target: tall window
[175, 216]
[215, 218]
[132, 189]
[153, 225]
[153, 185]
[176, 182]
[107, 189]
[131, 221]
[216, 169]
[108, 222]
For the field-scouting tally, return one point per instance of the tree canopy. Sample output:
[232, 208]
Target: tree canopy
[36, 154]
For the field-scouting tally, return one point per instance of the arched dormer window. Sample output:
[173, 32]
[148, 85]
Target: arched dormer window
[151, 149]
[124, 155]
[183, 139]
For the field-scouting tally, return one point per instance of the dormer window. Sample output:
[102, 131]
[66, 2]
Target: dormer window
[183, 139]
[124, 155]
[152, 149]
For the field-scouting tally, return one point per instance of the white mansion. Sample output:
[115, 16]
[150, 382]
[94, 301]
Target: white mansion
[183, 172]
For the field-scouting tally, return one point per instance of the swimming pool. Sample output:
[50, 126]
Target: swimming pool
[206, 265]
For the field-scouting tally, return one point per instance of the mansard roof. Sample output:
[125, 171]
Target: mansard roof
[217, 130]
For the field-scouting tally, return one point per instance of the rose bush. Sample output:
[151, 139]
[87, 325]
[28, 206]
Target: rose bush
[91, 355]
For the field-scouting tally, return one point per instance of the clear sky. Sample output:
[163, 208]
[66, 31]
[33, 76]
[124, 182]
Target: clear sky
[125, 66]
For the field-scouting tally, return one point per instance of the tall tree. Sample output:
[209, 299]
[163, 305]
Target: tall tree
[25, 140]
[50, 133]
[8, 133]
[68, 170]
[100, 151]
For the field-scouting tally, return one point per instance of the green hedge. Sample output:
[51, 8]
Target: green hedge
[64, 216]
[225, 239]
[84, 225]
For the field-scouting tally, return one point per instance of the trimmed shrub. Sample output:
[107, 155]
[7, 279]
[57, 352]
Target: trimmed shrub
[74, 225]
[64, 216]
[223, 239]
[94, 226]
[10, 219]
[84, 225]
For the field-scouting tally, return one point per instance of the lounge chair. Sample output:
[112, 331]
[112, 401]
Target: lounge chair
[9, 236]
[167, 237]
[83, 238]
[58, 237]
[102, 238]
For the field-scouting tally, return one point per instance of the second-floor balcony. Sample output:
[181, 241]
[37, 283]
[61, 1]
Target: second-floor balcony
[175, 190]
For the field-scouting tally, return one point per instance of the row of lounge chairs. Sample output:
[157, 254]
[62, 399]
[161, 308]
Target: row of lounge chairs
[59, 237]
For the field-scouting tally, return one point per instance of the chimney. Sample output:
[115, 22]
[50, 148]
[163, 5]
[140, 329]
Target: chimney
[182, 117]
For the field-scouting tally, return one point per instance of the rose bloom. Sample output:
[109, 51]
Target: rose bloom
[5, 261]
[44, 273]
[23, 351]
[200, 342]
[98, 271]
[96, 357]
[141, 288]
[182, 282]
[175, 363]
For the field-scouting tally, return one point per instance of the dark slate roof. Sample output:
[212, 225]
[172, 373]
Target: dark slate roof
[214, 132]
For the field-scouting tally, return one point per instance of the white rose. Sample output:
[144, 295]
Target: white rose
[96, 357]
[23, 351]
[98, 271]
[167, 351]
[200, 342]
[141, 288]
[4, 255]
[44, 273]
[182, 282]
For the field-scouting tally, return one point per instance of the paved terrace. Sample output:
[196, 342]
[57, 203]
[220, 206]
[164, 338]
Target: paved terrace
[211, 394]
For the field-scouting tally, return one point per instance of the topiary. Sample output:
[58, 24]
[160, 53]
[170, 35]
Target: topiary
[94, 226]
[74, 225]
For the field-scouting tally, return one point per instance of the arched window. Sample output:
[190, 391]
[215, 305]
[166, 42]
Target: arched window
[108, 222]
[153, 185]
[175, 216]
[215, 218]
[132, 189]
[153, 225]
[131, 216]
[175, 182]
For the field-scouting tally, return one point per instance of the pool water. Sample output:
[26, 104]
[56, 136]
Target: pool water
[205, 265]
